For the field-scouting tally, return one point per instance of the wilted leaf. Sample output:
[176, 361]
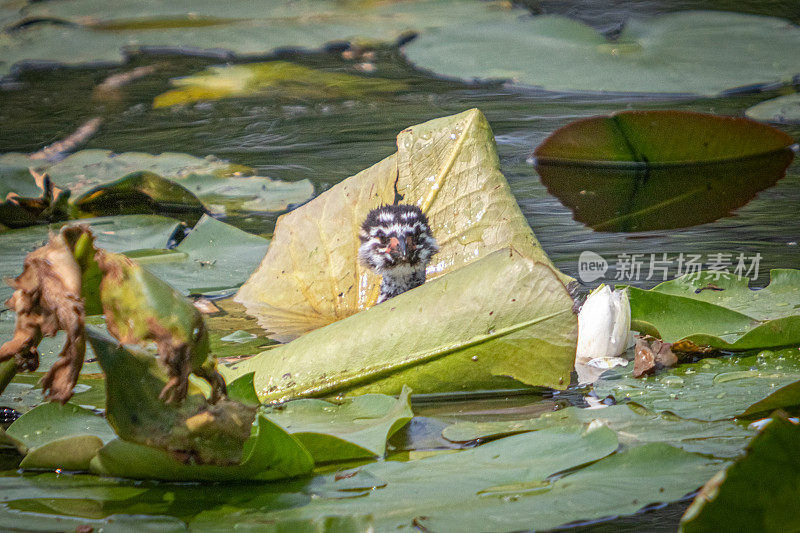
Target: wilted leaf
[311, 276]
[116, 234]
[781, 110]
[28, 198]
[757, 493]
[191, 432]
[353, 428]
[494, 323]
[275, 78]
[720, 311]
[48, 298]
[710, 389]
[633, 423]
[645, 170]
[140, 308]
[697, 52]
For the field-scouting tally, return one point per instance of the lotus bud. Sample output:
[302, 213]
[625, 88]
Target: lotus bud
[604, 325]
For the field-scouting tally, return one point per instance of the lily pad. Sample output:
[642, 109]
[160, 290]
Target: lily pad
[214, 257]
[757, 493]
[220, 185]
[634, 424]
[710, 389]
[508, 485]
[275, 78]
[353, 428]
[69, 454]
[52, 421]
[781, 110]
[719, 310]
[87, 31]
[687, 52]
[786, 397]
[646, 170]
[508, 321]
[311, 275]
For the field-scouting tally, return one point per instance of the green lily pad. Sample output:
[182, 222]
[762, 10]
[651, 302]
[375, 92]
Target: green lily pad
[694, 52]
[633, 423]
[646, 170]
[781, 110]
[214, 257]
[98, 33]
[353, 428]
[719, 310]
[508, 485]
[275, 78]
[785, 398]
[710, 389]
[509, 321]
[96, 176]
[69, 453]
[758, 492]
[52, 421]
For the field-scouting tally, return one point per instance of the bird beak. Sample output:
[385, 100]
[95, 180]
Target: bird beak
[398, 245]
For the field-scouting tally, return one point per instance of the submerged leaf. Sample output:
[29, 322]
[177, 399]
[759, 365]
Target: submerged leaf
[494, 323]
[311, 276]
[353, 428]
[275, 78]
[757, 493]
[720, 311]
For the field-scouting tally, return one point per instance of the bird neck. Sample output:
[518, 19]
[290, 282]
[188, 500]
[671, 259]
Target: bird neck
[400, 279]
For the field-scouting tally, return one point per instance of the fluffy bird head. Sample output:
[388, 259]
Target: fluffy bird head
[396, 239]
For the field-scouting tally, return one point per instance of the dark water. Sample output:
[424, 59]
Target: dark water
[326, 141]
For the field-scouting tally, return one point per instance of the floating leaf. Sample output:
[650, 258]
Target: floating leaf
[697, 52]
[646, 170]
[757, 493]
[99, 180]
[311, 276]
[710, 389]
[51, 421]
[719, 310]
[781, 110]
[508, 320]
[633, 423]
[214, 257]
[276, 79]
[353, 428]
[81, 33]
[784, 398]
[507, 485]
[69, 453]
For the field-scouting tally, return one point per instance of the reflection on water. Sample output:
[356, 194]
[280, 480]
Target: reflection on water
[633, 198]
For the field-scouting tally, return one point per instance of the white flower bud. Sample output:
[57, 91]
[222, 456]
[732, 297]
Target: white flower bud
[604, 325]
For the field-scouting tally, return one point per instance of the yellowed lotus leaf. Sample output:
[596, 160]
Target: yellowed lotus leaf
[311, 277]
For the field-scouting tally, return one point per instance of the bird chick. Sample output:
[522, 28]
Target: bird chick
[397, 243]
